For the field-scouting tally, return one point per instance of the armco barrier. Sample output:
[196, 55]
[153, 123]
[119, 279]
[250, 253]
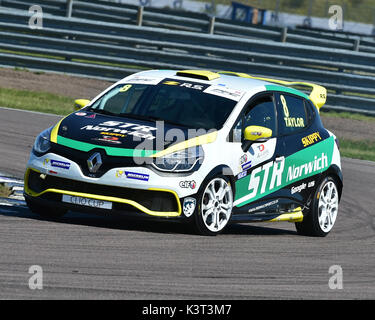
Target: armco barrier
[43, 40]
[171, 36]
[111, 51]
[198, 22]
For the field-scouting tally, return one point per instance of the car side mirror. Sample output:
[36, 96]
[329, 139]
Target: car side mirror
[80, 103]
[255, 134]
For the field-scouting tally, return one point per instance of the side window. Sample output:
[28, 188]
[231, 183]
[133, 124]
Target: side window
[292, 113]
[310, 111]
[261, 112]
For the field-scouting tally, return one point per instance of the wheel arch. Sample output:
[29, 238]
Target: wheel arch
[221, 170]
[335, 172]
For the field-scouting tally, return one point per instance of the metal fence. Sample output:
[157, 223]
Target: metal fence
[105, 11]
[112, 50]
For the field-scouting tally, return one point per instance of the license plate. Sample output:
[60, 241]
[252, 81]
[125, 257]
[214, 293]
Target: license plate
[94, 203]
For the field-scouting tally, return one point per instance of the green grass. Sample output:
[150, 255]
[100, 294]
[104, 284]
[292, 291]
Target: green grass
[36, 101]
[347, 115]
[364, 150]
[4, 191]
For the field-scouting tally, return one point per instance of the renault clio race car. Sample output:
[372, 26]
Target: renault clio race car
[196, 146]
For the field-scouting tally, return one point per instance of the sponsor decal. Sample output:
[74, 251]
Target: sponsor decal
[261, 147]
[143, 80]
[188, 184]
[225, 92]
[108, 139]
[131, 129]
[242, 175]
[311, 139]
[263, 206]
[137, 176]
[192, 86]
[183, 84]
[275, 175]
[243, 159]
[81, 114]
[246, 165]
[119, 173]
[56, 164]
[60, 164]
[298, 188]
[311, 184]
[132, 175]
[263, 152]
[113, 134]
[189, 206]
[295, 172]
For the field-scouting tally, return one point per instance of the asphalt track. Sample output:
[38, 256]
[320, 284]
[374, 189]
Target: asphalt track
[90, 257]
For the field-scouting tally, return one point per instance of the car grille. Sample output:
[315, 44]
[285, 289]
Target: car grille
[161, 201]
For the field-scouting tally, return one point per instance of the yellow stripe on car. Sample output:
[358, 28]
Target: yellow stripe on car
[203, 74]
[54, 131]
[318, 94]
[295, 216]
[135, 204]
[197, 141]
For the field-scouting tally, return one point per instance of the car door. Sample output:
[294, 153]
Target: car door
[260, 167]
[296, 131]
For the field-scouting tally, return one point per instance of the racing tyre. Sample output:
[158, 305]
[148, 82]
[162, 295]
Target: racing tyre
[214, 208]
[323, 212]
[45, 212]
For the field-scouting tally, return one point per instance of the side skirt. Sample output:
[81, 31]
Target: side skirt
[293, 216]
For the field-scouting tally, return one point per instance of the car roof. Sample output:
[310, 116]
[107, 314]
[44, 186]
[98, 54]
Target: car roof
[240, 81]
[232, 81]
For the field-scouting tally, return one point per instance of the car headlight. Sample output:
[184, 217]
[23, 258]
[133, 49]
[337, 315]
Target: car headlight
[180, 161]
[42, 142]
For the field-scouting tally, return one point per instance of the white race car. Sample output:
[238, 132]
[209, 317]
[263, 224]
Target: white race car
[196, 146]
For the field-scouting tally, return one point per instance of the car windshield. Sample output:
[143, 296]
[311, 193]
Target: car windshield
[183, 106]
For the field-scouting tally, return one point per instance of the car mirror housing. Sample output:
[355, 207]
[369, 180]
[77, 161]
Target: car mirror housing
[80, 103]
[255, 134]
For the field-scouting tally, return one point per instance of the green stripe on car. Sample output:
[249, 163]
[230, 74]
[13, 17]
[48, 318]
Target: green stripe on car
[288, 90]
[111, 151]
[274, 176]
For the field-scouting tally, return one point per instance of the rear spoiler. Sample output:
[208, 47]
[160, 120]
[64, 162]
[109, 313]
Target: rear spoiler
[318, 94]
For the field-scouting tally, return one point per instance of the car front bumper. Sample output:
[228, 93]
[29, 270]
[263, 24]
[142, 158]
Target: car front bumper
[130, 189]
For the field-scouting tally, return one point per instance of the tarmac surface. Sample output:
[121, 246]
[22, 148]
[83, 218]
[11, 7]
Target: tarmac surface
[92, 257]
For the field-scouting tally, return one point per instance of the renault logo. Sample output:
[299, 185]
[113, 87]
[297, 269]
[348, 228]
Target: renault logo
[94, 162]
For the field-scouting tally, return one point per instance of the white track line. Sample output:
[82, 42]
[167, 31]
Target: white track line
[34, 112]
